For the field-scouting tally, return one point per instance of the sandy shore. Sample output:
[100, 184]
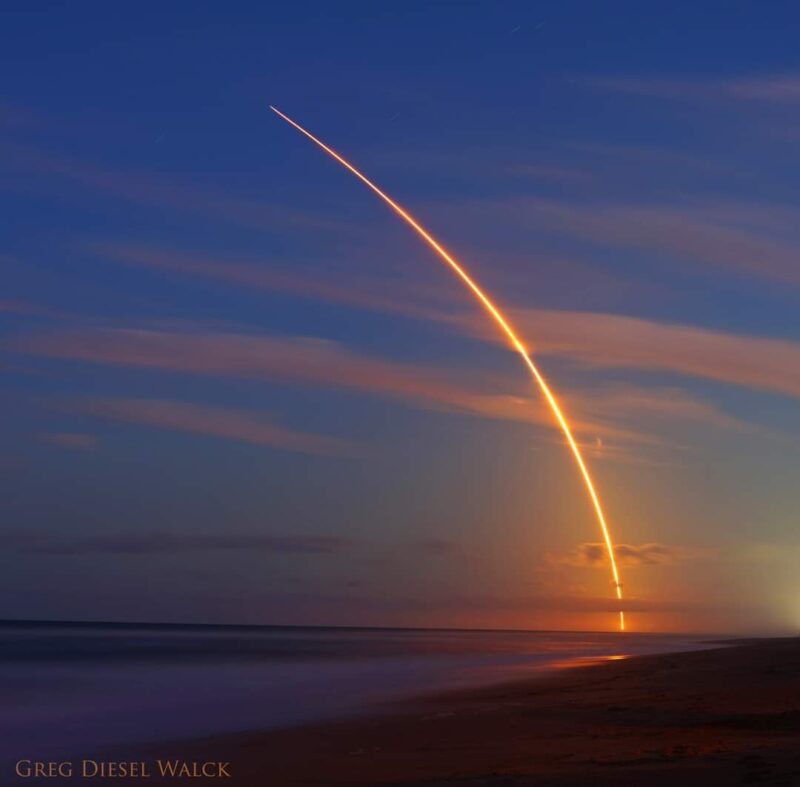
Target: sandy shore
[716, 717]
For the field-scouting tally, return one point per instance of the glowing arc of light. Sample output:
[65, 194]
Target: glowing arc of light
[509, 332]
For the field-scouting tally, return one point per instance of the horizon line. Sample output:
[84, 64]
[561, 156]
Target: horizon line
[185, 624]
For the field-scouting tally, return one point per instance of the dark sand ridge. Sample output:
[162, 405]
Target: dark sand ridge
[724, 716]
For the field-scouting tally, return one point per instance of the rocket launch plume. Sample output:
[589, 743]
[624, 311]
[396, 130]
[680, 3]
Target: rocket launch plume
[508, 331]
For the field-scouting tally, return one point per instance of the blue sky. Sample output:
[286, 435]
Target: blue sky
[236, 389]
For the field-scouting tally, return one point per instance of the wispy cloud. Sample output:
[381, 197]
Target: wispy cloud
[485, 164]
[15, 116]
[381, 295]
[223, 422]
[595, 338]
[387, 293]
[77, 441]
[662, 404]
[436, 547]
[305, 361]
[612, 422]
[760, 240]
[610, 340]
[27, 309]
[158, 192]
[752, 239]
[164, 543]
[780, 88]
[548, 172]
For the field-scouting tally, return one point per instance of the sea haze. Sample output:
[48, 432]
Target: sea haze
[69, 687]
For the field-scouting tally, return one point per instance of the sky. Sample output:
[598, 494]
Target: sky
[236, 389]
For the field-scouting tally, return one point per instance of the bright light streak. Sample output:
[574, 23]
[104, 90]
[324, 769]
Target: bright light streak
[510, 334]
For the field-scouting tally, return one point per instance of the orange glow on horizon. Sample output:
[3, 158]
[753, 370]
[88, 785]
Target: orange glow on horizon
[510, 334]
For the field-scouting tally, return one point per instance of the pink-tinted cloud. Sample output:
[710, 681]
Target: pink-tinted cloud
[387, 294]
[222, 422]
[660, 404]
[549, 172]
[610, 340]
[759, 240]
[779, 88]
[484, 164]
[157, 192]
[27, 309]
[382, 295]
[309, 362]
[611, 423]
[77, 441]
[15, 116]
[596, 338]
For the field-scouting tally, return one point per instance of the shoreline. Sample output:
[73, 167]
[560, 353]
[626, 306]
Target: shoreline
[728, 714]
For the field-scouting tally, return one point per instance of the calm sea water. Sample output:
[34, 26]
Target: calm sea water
[66, 687]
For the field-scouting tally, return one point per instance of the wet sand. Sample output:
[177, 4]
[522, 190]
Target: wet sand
[724, 716]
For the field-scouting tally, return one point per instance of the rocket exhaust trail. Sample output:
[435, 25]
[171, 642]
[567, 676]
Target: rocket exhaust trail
[508, 331]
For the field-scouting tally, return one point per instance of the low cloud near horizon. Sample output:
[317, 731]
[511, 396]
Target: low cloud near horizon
[155, 543]
[596, 554]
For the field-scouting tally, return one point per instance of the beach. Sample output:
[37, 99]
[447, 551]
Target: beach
[726, 715]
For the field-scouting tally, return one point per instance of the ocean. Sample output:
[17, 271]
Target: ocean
[66, 687]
